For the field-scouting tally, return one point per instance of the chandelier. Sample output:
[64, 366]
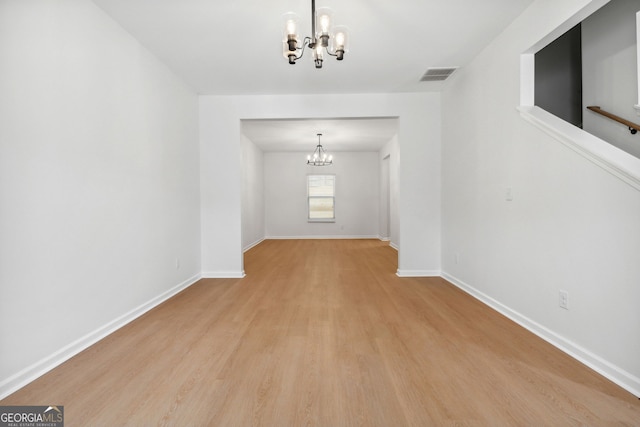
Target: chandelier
[324, 38]
[319, 156]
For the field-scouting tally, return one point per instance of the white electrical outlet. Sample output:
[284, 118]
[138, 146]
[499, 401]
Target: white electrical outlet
[563, 300]
[177, 263]
[456, 258]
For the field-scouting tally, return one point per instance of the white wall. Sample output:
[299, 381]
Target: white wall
[610, 75]
[220, 188]
[384, 210]
[356, 201]
[391, 152]
[419, 174]
[571, 225]
[252, 194]
[99, 182]
[637, 106]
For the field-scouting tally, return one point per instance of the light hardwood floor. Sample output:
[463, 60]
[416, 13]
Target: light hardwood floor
[323, 333]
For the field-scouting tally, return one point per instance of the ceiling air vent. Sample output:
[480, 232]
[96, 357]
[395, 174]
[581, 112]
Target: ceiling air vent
[437, 74]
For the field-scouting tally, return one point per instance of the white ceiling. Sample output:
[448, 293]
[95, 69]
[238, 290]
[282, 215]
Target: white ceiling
[337, 134]
[234, 47]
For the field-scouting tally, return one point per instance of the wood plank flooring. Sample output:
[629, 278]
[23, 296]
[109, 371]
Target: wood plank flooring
[323, 333]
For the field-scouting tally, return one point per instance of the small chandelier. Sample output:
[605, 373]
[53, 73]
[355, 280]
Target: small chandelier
[319, 156]
[323, 39]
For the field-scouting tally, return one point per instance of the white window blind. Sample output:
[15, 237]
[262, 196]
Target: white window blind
[321, 198]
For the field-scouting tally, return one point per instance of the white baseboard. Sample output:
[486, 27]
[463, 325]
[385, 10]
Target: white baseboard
[223, 274]
[614, 373]
[393, 245]
[418, 273]
[30, 373]
[321, 237]
[256, 243]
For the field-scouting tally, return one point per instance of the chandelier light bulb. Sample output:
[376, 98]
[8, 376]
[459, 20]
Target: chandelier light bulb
[318, 55]
[340, 41]
[291, 39]
[291, 27]
[324, 21]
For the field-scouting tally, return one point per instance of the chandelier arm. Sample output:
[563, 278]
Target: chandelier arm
[306, 42]
[331, 54]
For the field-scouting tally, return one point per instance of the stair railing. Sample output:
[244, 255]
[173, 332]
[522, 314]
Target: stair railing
[633, 127]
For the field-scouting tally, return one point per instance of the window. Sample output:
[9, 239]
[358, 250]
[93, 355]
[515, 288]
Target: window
[321, 198]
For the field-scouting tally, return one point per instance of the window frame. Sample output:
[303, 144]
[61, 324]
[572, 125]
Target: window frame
[309, 198]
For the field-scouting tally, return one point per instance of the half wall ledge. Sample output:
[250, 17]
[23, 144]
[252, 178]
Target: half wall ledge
[612, 159]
